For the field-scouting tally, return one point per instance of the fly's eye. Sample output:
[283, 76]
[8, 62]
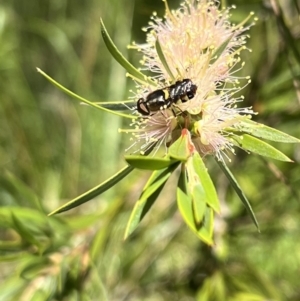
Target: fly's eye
[190, 95]
[142, 107]
[194, 88]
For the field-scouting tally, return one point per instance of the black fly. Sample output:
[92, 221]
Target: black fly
[164, 98]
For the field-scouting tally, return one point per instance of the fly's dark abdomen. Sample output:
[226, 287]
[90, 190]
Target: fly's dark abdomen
[153, 102]
[164, 98]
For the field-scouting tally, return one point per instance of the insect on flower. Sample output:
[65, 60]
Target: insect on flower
[199, 47]
[164, 98]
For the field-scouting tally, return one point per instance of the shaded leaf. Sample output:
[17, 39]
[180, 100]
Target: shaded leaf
[62, 275]
[34, 267]
[149, 163]
[213, 288]
[21, 191]
[259, 147]
[11, 246]
[149, 195]
[33, 219]
[286, 34]
[24, 232]
[87, 196]
[238, 190]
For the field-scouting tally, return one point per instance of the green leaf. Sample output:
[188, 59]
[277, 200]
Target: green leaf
[25, 232]
[262, 131]
[211, 195]
[218, 52]
[85, 197]
[163, 60]
[149, 163]
[11, 257]
[286, 33]
[21, 191]
[88, 102]
[121, 59]
[180, 149]
[184, 202]
[34, 267]
[149, 195]
[214, 288]
[205, 232]
[259, 147]
[157, 178]
[79, 222]
[34, 220]
[116, 105]
[11, 287]
[62, 276]
[10, 246]
[198, 201]
[238, 190]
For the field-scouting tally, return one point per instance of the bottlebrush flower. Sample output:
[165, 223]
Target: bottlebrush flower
[199, 43]
[189, 105]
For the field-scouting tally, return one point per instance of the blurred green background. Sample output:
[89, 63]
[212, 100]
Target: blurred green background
[52, 149]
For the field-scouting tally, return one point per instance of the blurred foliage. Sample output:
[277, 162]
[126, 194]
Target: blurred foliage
[52, 149]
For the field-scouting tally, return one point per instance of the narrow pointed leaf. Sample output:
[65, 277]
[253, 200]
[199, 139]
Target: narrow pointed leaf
[9, 247]
[180, 149]
[149, 163]
[157, 178]
[116, 105]
[211, 195]
[207, 229]
[262, 131]
[162, 58]
[21, 191]
[139, 211]
[198, 201]
[34, 267]
[88, 102]
[218, 52]
[24, 232]
[87, 196]
[184, 202]
[149, 195]
[259, 147]
[286, 33]
[12, 287]
[120, 58]
[13, 255]
[238, 190]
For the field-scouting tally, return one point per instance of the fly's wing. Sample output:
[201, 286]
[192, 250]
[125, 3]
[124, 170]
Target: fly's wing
[116, 106]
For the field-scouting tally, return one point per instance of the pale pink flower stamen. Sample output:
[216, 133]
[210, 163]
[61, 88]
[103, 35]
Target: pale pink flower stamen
[190, 38]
